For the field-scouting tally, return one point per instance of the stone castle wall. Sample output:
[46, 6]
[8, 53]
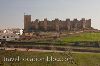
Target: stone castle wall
[55, 25]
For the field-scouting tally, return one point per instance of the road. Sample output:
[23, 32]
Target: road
[39, 50]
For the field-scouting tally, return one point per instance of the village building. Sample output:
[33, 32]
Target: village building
[9, 36]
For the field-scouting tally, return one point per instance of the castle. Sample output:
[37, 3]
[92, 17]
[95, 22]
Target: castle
[55, 25]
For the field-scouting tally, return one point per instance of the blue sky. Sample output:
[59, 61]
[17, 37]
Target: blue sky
[12, 11]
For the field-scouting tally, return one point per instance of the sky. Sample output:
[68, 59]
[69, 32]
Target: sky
[12, 11]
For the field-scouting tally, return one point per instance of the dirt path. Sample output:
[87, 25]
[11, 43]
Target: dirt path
[39, 50]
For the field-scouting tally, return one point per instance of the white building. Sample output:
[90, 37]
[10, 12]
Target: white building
[21, 32]
[9, 36]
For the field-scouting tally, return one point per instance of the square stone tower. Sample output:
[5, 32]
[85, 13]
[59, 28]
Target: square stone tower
[27, 23]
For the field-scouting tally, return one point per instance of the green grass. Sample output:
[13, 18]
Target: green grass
[82, 37]
[66, 40]
[81, 59]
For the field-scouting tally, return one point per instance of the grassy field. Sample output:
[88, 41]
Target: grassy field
[75, 59]
[88, 39]
[82, 37]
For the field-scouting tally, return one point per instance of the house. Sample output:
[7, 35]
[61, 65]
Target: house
[9, 36]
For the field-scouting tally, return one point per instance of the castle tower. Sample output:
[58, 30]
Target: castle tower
[88, 23]
[56, 21]
[68, 24]
[75, 21]
[45, 24]
[36, 24]
[83, 23]
[27, 23]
